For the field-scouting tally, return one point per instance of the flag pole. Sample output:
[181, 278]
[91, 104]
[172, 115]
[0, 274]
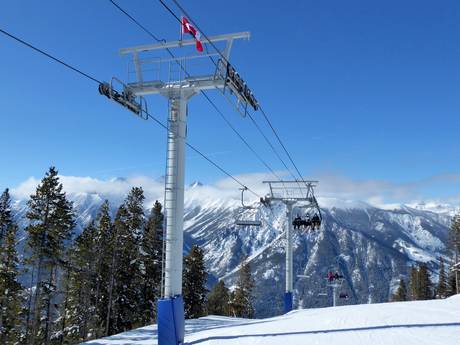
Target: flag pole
[181, 31]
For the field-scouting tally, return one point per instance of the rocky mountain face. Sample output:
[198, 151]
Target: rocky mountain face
[372, 247]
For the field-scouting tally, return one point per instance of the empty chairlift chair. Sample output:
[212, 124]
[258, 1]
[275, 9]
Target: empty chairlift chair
[242, 219]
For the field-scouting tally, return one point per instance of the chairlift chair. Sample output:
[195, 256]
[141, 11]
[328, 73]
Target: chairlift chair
[241, 220]
[310, 221]
[336, 279]
[343, 295]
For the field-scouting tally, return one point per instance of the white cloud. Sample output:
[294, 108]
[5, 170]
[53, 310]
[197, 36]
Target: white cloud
[375, 192]
[117, 188]
[443, 188]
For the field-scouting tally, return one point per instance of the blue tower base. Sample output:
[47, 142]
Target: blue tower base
[171, 322]
[287, 302]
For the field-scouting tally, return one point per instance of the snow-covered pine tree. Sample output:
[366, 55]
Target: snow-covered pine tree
[5, 214]
[10, 289]
[454, 247]
[134, 204]
[425, 283]
[441, 289]
[451, 283]
[401, 292]
[103, 258]
[125, 288]
[194, 283]
[80, 286]
[218, 300]
[420, 283]
[414, 283]
[151, 257]
[51, 225]
[242, 301]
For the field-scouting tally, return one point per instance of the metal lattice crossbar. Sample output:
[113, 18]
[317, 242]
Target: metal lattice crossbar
[292, 190]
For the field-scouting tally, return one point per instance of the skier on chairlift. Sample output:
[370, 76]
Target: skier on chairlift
[316, 221]
[338, 276]
[307, 221]
[265, 201]
[330, 276]
[297, 222]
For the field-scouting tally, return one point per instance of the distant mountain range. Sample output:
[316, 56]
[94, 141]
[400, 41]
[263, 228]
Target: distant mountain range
[372, 247]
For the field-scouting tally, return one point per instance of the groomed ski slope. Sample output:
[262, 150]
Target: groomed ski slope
[435, 322]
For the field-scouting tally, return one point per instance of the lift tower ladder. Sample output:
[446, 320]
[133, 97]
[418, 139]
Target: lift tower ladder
[178, 84]
[291, 193]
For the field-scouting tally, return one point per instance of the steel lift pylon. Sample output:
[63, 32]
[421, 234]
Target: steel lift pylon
[180, 85]
[290, 193]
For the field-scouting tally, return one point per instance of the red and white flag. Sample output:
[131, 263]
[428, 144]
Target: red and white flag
[188, 28]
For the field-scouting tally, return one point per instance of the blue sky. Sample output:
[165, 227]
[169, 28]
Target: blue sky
[369, 90]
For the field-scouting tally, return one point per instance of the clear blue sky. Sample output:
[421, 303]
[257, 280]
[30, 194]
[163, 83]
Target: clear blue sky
[366, 89]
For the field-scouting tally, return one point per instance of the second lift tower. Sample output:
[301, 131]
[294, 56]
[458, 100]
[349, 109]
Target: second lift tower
[292, 193]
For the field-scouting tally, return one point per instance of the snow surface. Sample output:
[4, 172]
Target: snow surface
[435, 322]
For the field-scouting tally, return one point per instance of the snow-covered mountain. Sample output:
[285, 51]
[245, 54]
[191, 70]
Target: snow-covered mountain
[372, 247]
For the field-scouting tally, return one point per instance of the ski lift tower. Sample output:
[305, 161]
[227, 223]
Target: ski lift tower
[291, 193]
[177, 79]
[335, 285]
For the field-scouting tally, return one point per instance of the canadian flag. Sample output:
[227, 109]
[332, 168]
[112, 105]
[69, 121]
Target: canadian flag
[189, 28]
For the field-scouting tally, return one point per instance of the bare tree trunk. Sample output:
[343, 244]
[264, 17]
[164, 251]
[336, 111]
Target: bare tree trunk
[29, 303]
[48, 308]
[87, 305]
[66, 300]
[95, 317]
[37, 296]
[39, 273]
[2, 332]
[110, 294]
[456, 274]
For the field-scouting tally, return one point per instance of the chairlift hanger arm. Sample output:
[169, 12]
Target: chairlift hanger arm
[244, 189]
[242, 196]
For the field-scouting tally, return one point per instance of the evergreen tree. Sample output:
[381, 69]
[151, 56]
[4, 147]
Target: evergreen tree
[103, 256]
[451, 283]
[425, 284]
[441, 289]
[401, 292]
[51, 224]
[87, 281]
[218, 300]
[454, 247]
[5, 214]
[151, 256]
[414, 283]
[136, 218]
[10, 289]
[242, 299]
[125, 281]
[194, 283]
[80, 287]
